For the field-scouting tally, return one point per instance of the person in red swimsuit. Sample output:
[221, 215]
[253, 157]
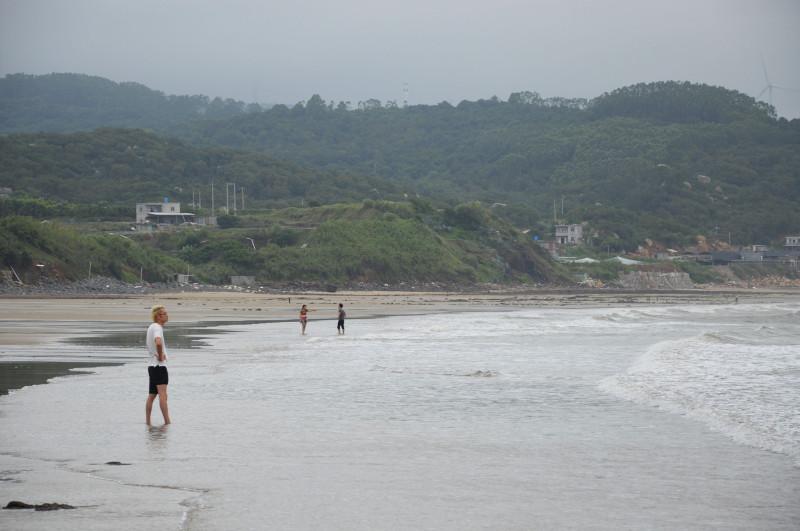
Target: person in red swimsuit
[304, 318]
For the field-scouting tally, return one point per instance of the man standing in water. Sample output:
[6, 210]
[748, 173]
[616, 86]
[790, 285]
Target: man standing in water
[157, 366]
[340, 324]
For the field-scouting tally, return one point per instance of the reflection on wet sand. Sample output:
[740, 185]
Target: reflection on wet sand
[157, 437]
[190, 336]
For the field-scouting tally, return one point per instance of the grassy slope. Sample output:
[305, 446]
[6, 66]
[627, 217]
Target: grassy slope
[65, 253]
[374, 241]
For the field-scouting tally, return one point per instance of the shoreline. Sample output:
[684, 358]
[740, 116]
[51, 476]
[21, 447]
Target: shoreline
[30, 321]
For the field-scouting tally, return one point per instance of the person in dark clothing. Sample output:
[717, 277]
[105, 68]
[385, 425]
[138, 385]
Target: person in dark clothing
[340, 324]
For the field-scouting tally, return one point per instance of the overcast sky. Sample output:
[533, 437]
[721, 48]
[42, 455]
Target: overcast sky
[280, 51]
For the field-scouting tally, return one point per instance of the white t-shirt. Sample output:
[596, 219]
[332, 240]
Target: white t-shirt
[153, 331]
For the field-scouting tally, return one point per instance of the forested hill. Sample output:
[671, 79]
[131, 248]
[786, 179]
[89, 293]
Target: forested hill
[127, 166]
[665, 161]
[77, 102]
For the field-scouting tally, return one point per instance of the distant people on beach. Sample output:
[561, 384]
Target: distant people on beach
[304, 318]
[157, 365]
[340, 324]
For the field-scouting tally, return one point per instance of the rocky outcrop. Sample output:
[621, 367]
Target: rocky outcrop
[37, 507]
[653, 280]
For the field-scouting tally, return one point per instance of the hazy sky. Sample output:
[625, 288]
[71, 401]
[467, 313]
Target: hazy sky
[284, 51]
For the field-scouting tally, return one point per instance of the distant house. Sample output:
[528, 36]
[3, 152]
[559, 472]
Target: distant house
[792, 241]
[569, 234]
[5, 191]
[165, 213]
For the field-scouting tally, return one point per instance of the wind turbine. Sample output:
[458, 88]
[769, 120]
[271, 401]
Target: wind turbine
[769, 86]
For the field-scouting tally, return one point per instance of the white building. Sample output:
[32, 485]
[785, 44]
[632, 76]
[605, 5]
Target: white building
[165, 213]
[569, 234]
[792, 241]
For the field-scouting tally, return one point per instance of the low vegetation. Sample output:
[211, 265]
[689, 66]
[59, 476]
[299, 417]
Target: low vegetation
[37, 249]
[343, 244]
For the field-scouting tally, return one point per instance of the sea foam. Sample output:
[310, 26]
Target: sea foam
[749, 392]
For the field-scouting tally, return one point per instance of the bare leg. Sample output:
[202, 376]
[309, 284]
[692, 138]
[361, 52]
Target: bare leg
[303, 327]
[162, 402]
[148, 408]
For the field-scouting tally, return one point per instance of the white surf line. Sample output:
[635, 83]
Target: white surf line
[189, 504]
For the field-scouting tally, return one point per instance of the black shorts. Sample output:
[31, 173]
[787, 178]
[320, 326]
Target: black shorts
[340, 324]
[158, 376]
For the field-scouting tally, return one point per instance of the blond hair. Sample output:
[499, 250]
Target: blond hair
[155, 309]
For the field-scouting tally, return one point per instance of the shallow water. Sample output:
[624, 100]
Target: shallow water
[681, 417]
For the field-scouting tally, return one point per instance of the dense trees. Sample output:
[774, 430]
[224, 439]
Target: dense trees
[664, 161]
[76, 102]
[639, 149]
[126, 166]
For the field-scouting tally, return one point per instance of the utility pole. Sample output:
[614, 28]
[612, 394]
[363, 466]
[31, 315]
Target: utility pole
[555, 215]
[216, 171]
[562, 206]
[242, 198]
[228, 198]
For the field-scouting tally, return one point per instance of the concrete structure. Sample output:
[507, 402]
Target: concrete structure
[653, 280]
[792, 242]
[183, 279]
[569, 234]
[725, 257]
[165, 213]
[550, 247]
[752, 256]
[243, 280]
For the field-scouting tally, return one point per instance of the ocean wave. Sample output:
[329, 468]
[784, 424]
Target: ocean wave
[748, 392]
[719, 337]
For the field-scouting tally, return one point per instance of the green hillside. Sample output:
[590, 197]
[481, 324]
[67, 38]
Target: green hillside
[663, 161]
[344, 244]
[126, 166]
[77, 102]
[373, 241]
[49, 250]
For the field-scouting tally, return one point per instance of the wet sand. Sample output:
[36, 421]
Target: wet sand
[16, 375]
[34, 320]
